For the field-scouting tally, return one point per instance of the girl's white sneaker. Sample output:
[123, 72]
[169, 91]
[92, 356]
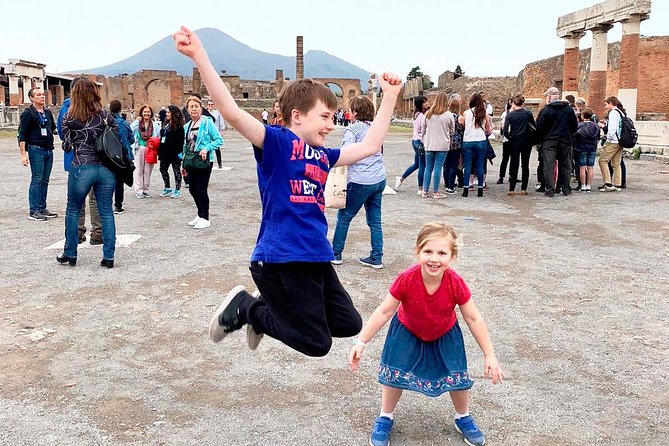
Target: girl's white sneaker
[202, 224]
[194, 221]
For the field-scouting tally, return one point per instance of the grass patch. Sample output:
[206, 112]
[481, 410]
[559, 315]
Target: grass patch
[400, 129]
[7, 133]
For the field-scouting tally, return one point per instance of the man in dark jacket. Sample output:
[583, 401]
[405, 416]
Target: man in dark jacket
[35, 136]
[556, 125]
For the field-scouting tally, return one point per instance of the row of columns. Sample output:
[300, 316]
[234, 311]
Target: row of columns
[629, 65]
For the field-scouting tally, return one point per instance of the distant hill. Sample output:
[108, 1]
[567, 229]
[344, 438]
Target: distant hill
[236, 58]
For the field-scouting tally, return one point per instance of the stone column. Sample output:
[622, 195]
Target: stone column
[299, 68]
[571, 64]
[598, 67]
[14, 93]
[629, 65]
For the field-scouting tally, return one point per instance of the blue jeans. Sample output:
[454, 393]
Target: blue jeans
[358, 195]
[41, 162]
[474, 149]
[418, 162]
[80, 180]
[451, 167]
[434, 162]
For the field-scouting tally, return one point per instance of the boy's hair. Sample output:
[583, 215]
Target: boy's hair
[587, 113]
[363, 108]
[571, 99]
[440, 105]
[115, 106]
[302, 95]
[437, 230]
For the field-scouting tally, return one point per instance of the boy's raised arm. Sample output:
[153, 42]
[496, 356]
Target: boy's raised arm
[391, 84]
[188, 43]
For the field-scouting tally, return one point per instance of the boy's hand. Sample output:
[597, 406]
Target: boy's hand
[491, 369]
[390, 83]
[187, 42]
[355, 355]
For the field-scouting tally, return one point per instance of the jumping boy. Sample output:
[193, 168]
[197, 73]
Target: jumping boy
[301, 301]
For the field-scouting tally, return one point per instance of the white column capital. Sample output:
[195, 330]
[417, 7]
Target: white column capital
[572, 40]
[632, 26]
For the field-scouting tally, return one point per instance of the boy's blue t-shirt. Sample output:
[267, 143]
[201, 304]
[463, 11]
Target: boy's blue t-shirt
[291, 180]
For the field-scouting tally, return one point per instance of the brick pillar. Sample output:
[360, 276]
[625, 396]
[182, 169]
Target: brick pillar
[598, 67]
[15, 95]
[197, 80]
[299, 68]
[59, 92]
[629, 65]
[571, 64]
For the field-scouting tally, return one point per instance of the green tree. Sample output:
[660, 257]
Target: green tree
[414, 73]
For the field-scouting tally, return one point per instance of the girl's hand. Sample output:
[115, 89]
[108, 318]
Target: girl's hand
[187, 42]
[203, 155]
[492, 370]
[355, 355]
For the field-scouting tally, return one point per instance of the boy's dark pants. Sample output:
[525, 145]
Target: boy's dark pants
[303, 305]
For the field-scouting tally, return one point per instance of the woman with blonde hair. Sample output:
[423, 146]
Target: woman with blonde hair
[202, 140]
[438, 127]
[82, 127]
[144, 128]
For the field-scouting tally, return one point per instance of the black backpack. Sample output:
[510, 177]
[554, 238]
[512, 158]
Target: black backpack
[628, 135]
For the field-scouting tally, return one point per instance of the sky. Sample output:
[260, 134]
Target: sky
[486, 37]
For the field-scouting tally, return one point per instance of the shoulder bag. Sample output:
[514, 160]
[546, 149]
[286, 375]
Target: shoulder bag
[335, 188]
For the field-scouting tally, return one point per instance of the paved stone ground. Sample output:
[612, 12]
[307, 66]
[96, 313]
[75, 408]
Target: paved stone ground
[574, 291]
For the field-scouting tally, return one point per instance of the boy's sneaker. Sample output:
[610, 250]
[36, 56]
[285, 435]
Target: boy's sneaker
[48, 214]
[202, 224]
[374, 263]
[146, 194]
[468, 428]
[166, 192]
[337, 260]
[381, 432]
[37, 216]
[226, 317]
[119, 211]
[252, 337]
[398, 182]
[176, 194]
[450, 191]
[194, 221]
[139, 195]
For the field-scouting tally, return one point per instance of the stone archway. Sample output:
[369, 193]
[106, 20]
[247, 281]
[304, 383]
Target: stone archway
[158, 93]
[347, 86]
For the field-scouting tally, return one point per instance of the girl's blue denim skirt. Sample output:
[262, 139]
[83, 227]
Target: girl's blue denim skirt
[431, 368]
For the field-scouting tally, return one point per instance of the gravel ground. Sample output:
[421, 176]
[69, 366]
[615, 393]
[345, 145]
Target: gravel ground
[574, 291]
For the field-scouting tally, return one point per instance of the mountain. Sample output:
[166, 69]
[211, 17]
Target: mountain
[236, 58]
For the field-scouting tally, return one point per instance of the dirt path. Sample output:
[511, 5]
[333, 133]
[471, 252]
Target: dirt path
[574, 291]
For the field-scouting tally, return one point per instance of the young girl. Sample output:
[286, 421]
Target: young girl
[424, 349]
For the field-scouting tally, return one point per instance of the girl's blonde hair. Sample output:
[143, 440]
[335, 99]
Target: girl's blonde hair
[435, 230]
[440, 105]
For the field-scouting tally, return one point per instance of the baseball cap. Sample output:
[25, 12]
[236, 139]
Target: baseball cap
[552, 91]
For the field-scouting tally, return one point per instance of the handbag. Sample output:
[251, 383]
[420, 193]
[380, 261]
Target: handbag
[109, 149]
[490, 152]
[193, 161]
[335, 188]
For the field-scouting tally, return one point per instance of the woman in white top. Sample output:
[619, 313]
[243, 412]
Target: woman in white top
[438, 127]
[474, 142]
[421, 106]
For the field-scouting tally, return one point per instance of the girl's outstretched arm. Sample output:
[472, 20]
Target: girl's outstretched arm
[376, 321]
[188, 43]
[479, 329]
